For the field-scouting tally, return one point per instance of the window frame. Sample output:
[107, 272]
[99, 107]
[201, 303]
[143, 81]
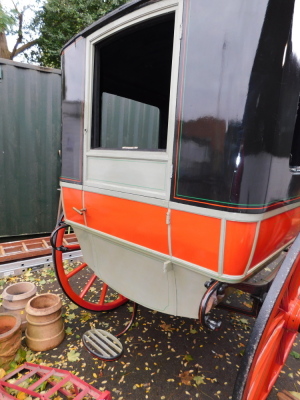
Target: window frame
[136, 17]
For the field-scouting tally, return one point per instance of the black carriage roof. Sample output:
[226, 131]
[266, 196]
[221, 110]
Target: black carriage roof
[110, 17]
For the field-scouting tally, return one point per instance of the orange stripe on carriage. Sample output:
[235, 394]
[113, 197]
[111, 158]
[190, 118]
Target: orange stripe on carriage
[72, 198]
[275, 232]
[139, 223]
[196, 238]
[238, 245]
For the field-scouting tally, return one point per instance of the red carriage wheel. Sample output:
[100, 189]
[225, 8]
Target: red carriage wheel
[274, 332]
[79, 283]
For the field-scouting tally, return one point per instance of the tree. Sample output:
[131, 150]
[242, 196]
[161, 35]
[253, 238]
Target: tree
[13, 22]
[60, 20]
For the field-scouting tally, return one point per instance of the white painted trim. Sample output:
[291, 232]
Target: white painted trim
[70, 185]
[169, 223]
[254, 244]
[257, 266]
[222, 247]
[150, 11]
[177, 261]
[121, 242]
[128, 154]
[185, 208]
[128, 196]
[146, 13]
[206, 212]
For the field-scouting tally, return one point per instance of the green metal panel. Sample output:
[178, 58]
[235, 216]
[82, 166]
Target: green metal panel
[30, 140]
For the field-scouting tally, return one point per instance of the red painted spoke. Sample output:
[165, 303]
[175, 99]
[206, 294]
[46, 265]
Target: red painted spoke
[264, 366]
[103, 294]
[76, 270]
[88, 286]
[285, 347]
[294, 288]
[72, 247]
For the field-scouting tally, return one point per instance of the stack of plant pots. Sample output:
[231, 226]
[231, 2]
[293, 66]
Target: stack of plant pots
[10, 338]
[15, 298]
[45, 327]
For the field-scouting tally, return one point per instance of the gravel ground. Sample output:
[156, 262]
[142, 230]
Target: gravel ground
[165, 357]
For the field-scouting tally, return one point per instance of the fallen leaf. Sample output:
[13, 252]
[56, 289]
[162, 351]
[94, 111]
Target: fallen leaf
[244, 321]
[70, 316]
[21, 396]
[72, 306]
[295, 354]
[188, 357]
[186, 377]
[296, 394]
[73, 356]
[69, 330]
[199, 380]
[166, 327]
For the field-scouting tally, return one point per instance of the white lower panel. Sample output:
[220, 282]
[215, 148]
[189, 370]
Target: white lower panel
[147, 280]
[144, 277]
[189, 291]
[148, 178]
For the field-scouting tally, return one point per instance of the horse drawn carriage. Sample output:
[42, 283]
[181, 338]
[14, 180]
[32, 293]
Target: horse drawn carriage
[181, 162]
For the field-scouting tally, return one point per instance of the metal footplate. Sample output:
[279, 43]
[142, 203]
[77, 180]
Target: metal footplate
[102, 344]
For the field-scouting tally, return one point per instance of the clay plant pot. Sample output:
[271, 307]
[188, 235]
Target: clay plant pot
[45, 327]
[15, 298]
[10, 338]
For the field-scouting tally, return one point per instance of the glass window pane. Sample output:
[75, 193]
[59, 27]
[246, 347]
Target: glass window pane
[137, 125]
[131, 89]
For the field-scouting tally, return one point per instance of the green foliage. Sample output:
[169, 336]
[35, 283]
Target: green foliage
[6, 20]
[60, 20]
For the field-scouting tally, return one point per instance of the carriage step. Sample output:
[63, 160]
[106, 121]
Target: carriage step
[102, 344]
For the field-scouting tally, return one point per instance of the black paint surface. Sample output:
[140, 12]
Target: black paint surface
[237, 103]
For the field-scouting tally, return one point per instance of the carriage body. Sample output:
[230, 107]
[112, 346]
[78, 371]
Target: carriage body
[180, 153]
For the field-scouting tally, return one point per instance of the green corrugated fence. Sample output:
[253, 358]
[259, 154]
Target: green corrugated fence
[30, 141]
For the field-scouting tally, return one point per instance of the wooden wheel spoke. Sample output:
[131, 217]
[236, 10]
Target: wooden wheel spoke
[265, 363]
[294, 288]
[73, 247]
[88, 286]
[76, 270]
[103, 293]
[285, 346]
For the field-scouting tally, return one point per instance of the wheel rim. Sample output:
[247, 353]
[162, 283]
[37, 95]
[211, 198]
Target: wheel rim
[273, 334]
[105, 300]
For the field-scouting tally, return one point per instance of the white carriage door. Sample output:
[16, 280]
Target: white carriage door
[132, 91]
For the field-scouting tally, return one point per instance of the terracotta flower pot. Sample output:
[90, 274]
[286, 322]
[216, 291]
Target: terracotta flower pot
[45, 327]
[15, 298]
[10, 338]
